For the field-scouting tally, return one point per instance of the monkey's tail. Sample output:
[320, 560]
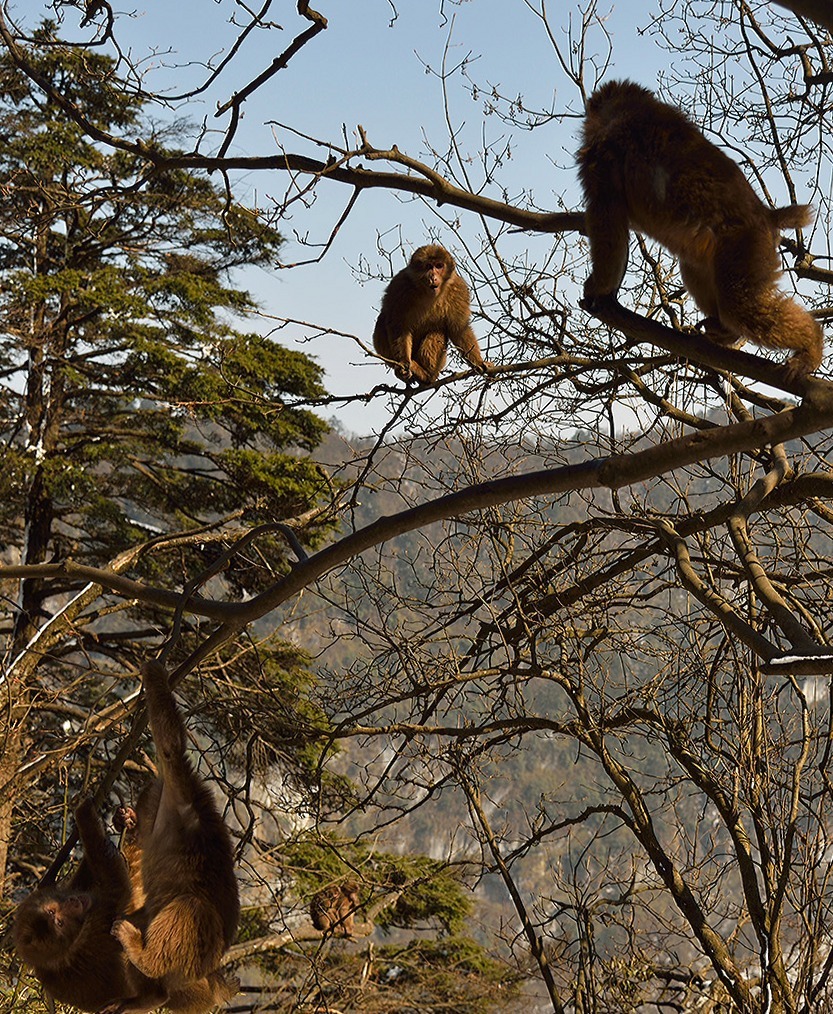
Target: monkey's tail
[794, 216]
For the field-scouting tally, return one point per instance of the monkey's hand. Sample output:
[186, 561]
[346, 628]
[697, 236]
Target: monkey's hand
[128, 935]
[591, 301]
[124, 819]
[404, 370]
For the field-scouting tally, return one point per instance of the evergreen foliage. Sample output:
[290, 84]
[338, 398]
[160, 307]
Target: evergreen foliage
[132, 402]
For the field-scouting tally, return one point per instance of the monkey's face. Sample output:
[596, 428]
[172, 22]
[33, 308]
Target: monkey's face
[431, 274]
[45, 926]
[431, 267]
[435, 275]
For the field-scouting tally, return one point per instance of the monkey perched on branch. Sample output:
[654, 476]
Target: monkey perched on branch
[644, 165]
[425, 307]
[332, 908]
[196, 996]
[129, 933]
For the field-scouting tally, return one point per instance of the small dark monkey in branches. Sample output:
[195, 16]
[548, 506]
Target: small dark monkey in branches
[63, 931]
[189, 904]
[332, 909]
[425, 307]
[644, 165]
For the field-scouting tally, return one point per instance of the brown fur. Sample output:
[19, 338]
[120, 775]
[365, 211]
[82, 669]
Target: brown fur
[203, 995]
[195, 997]
[644, 165]
[190, 909]
[425, 307]
[63, 931]
[332, 909]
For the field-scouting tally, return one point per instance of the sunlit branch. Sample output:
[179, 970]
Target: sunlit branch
[613, 472]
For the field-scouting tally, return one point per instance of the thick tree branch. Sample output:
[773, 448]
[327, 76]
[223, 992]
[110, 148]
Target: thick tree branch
[429, 185]
[419, 179]
[697, 348]
[613, 472]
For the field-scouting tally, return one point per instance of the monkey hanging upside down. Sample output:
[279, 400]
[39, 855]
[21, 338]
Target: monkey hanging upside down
[644, 165]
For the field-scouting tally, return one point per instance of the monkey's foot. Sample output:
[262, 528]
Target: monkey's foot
[591, 303]
[227, 987]
[802, 364]
[715, 331]
[416, 375]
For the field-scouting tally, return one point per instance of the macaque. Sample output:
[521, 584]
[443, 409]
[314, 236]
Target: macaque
[644, 165]
[195, 997]
[189, 904]
[425, 306]
[63, 931]
[332, 909]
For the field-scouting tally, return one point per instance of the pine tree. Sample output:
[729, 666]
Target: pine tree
[132, 404]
